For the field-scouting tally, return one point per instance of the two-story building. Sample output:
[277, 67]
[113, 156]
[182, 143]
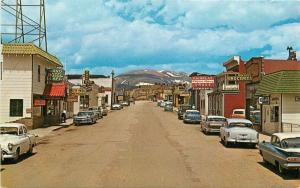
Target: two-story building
[229, 91]
[25, 94]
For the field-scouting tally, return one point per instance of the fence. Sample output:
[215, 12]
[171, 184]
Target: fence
[290, 127]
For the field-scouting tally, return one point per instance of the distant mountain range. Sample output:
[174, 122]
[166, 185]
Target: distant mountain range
[150, 77]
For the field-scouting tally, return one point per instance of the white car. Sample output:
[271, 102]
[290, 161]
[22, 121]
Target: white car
[239, 131]
[283, 151]
[15, 140]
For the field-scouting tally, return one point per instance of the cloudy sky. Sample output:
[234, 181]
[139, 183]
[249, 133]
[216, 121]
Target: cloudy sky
[180, 35]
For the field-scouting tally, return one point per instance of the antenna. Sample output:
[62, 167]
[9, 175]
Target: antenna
[22, 28]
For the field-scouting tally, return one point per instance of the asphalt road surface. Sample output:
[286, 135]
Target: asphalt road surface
[140, 146]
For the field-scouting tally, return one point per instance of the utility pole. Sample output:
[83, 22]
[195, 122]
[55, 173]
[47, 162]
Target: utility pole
[112, 89]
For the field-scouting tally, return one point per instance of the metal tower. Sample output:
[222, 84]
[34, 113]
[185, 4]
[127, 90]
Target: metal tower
[20, 27]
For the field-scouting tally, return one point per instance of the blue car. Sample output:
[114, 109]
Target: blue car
[192, 116]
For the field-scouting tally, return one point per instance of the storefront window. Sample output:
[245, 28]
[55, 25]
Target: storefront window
[51, 107]
[275, 114]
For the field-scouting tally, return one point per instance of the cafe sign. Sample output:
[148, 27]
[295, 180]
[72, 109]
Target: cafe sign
[39, 102]
[239, 77]
[55, 75]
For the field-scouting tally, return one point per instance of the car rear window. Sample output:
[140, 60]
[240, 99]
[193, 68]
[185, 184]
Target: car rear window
[291, 143]
[216, 119]
[238, 112]
[240, 124]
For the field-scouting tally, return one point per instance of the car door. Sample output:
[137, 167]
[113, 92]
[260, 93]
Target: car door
[271, 153]
[28, 141]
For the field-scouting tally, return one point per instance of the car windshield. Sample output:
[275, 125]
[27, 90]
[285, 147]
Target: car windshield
[184, 107]
[84, 113]
[240, 124]
[193, 113]
[291, 143]
[9, 130]
[238, 112]
[216, 119]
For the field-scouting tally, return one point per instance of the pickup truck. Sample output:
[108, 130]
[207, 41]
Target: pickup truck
[15, 141]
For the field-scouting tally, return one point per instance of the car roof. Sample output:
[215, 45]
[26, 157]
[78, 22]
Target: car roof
[192, 111]
[239, 109]
[238, 120]
[11, 125]
[215, 117]
[282, 136]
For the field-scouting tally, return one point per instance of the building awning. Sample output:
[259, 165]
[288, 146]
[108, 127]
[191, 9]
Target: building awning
[279, 82]
[55, 90]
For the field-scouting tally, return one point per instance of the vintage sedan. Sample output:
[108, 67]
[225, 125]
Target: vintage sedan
[239, 131]
[192, 116]
[104, 110]
[15, 141]
[168, 107]
[283, 151]
[116, 107]
[85, 117]
[97, 111]
[212, 124]
[181, 110]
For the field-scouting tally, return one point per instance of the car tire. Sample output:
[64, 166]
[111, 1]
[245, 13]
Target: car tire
[17, 157]
[280, 169]
[226, 144]
[30, 151]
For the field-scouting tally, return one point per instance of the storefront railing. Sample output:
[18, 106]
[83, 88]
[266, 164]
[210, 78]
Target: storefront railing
[290, 127]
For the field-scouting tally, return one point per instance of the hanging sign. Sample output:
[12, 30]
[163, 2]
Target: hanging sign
[240, 77]
[55, 75]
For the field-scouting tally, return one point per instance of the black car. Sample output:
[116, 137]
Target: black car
[181, 110]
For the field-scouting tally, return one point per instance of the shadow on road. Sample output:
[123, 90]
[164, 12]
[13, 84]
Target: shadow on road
[292, 175]
[239, 146]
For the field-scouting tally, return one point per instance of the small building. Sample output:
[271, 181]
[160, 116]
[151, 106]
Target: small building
[257, 67]
[202, 85]
[181, 95]
[280, 93]
[104, 82]
[229, 91]
[27, 96]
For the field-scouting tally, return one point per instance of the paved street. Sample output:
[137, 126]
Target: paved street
[140, 146]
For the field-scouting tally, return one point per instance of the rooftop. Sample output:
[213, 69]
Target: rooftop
[29, 49]
[280, 82]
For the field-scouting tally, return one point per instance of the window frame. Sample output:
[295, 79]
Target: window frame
[18, 112]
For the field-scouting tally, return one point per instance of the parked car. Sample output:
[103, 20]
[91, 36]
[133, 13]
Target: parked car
[283, 151]
[239, 131]
[85, 117]
[97, 111]
[116, 107]
[162, 103]
[104, 110]
[15, 141]
[255, 117]
[181, 110]
[158, 102]
[124, 103]
[238, 113]
[168, 107]
[212, 124]
[192, 116]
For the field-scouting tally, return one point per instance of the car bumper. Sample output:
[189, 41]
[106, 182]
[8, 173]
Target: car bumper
[291, 166]
[213, 130]
[243, 141]
[191, 121]
[83, 121]
[8, 155]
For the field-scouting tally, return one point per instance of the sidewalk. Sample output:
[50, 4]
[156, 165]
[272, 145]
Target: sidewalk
[42, 132]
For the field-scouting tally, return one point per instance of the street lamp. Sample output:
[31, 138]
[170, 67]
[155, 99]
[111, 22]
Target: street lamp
[112, 89]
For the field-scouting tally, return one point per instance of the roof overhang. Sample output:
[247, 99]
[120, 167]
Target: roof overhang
[29, 49]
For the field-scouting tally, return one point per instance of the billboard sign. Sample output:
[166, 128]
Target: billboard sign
[203, 82]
